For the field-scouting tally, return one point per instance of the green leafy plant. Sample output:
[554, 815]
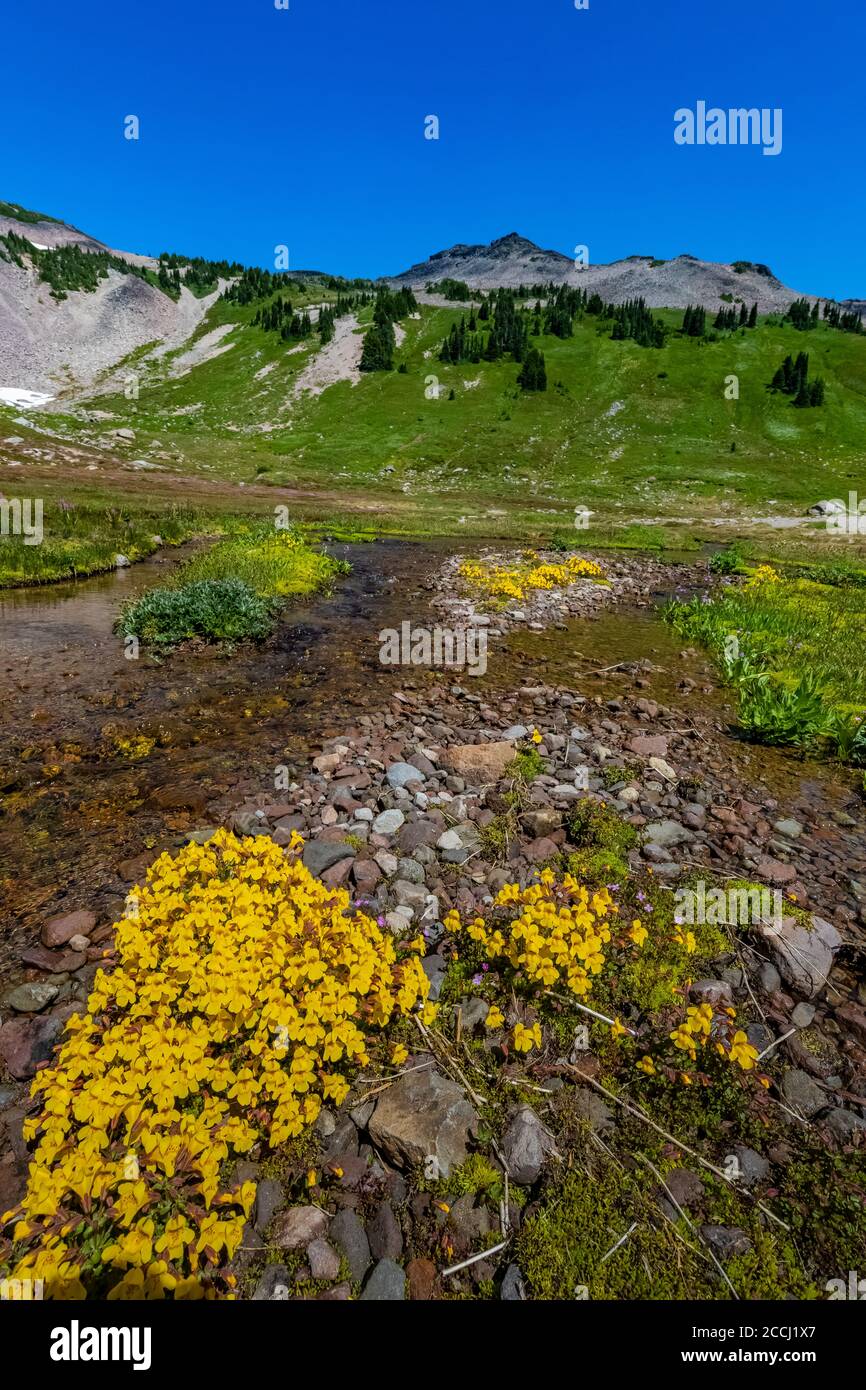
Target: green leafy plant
[223, 610]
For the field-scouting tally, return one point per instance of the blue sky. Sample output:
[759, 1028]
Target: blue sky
[305, 127]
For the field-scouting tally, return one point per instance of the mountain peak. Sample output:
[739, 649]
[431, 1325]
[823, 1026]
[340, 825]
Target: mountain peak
[674, 283]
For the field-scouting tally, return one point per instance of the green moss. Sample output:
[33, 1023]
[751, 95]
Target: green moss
[611, 774]
[823, 1198]
[584, 1211]
[475, 1174]
[592, 825]
[525, 766]
[495, 838]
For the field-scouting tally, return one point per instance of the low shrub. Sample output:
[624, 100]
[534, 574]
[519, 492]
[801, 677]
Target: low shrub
[219, 610]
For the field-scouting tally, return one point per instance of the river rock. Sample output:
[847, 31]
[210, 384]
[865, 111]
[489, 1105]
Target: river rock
[479, 762]
[423, 1115]
[648, 746]
[804, 954]
[319, 855]
[388, 822]
[323, 1260]
[726, 1241]
[55, 962]
[512, 1290]
[751, 1167]
[668, 833]
[663, 769]
[273, 1286]
[802, 1093]
[29, 998]
[297, 1227]
[542, 822]
[773, 871]
[435, 968]
[384, 1234]
[387, 1283]
[349, 1236]
[684, 1186]
[26, 1042]
[58, 930]
[400, 774]
[526, 1144]
[270, 1199]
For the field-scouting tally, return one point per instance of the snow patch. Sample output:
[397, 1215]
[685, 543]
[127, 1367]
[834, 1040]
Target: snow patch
[16, 395]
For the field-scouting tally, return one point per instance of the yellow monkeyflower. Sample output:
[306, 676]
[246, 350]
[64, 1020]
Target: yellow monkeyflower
[399, 1054]
[536, 736]
[638, 933]
[525, 1038]
[495, 1017]
[647, 1065]
[742, 1051]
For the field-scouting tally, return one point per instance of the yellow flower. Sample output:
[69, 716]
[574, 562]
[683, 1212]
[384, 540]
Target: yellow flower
[399, 1054]
[638, 933]
[618, 1029]
[742, 1051]
[525, 1039]
[647, 1065]
[536, 736]
[242, 986]
[495, 1017]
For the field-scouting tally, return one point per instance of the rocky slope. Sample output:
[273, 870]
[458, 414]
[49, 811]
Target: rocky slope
[54, 347]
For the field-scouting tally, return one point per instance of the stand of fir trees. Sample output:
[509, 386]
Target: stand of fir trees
[634, 320]
[730, 320]
[453, 289]
[803, 315]
[533, 374]
[508, 332]
[845, 319]
[279, 317]
[792, 379]
[694, 321]
[377, 354]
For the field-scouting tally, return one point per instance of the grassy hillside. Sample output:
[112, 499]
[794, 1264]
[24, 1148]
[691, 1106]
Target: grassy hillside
[631, 433]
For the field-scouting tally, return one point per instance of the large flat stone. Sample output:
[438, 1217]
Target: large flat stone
[803, 952]
[423, 1119]
[479, 762]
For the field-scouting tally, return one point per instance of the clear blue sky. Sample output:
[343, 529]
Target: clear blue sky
[306, 127]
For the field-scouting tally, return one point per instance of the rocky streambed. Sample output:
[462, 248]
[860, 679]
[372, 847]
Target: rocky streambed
[403, 783]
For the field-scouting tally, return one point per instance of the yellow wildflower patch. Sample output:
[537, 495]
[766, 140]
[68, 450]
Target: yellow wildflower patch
[553, 932]
[497, 581]
[243, 993]
[764, 574]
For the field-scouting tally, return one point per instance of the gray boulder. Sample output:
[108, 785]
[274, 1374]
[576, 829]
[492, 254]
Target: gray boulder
[423, 1119]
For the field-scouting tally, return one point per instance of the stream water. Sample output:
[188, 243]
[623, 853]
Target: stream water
[76, 801]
